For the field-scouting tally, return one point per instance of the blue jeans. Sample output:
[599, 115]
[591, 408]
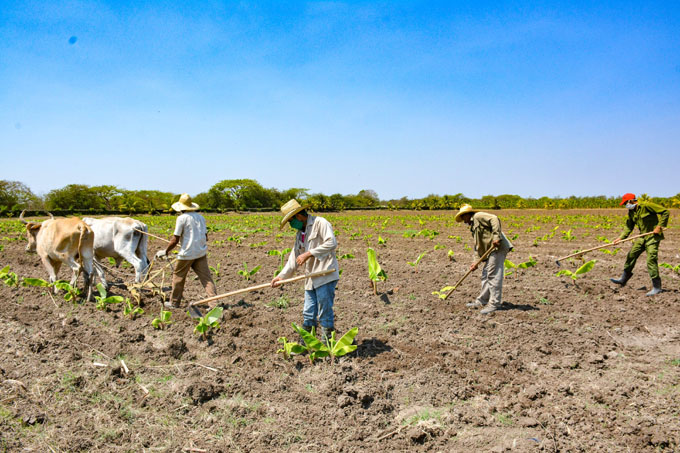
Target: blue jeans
[319, 302]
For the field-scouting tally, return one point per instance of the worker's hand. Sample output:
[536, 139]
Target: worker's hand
[616, 241]
[497, 243]
[473, 266]
[276, 282]
[300, 260]
[161, 254]
[658, 229]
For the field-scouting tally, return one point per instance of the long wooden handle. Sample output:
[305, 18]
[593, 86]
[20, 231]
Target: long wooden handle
[485, 256]
[152, 235]
[262, 286]
[603, 246]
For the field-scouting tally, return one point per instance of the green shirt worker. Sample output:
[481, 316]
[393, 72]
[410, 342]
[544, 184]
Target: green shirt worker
[486, 230]
[648, 217]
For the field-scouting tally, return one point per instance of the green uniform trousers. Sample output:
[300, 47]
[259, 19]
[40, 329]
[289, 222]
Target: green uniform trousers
[649, 244]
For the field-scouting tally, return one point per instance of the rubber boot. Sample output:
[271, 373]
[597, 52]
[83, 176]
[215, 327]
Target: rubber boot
[624, 278]
[656, 283]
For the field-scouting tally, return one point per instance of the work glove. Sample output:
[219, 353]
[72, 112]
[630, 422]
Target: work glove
[161, 254]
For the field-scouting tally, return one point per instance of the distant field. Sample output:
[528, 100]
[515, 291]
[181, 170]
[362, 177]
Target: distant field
[566, 366]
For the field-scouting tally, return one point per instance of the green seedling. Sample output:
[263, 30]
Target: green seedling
[346, 256]
[381, 241]
[343, 346]
[587, 267]
[610, 252]
[112, 262]
[514, 237]
[438, 247]
[415, 263]
[458, 239]
[430, 234]
[9, 278]
[70, 293]
[442, 292]
[208, 322]
[282, 255]
[104, 300]
[525, 265]
[247, 274]
[163, 320]
[39, 282]
[333, 348]
[567, 236]
[215, 270]
[675, 269]
[236, 239]
[258, 244]
[450, 255]
[375, 272]
[130, 310]
[289, 348]
[281, 302]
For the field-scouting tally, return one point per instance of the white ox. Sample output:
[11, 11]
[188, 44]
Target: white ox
[58, 241]
[118, 238]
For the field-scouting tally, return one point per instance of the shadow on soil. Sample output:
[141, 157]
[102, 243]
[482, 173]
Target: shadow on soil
[521, 307]
[372, 347]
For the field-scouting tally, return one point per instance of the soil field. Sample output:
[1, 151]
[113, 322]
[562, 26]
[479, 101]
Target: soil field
[569, 367]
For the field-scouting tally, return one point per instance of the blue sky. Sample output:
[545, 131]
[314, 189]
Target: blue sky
[406, 98]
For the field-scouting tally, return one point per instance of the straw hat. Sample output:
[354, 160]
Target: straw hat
[185, 204]
[465, 209]
[289, 210]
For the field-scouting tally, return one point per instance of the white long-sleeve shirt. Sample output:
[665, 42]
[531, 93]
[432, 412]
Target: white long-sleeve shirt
[319, 240]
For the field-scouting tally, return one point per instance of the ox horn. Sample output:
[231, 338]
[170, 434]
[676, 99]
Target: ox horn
[21, 217]
[50, 214]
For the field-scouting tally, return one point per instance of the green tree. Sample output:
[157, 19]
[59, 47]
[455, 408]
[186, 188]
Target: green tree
[17, 195]
[73, 196]
[240, 194]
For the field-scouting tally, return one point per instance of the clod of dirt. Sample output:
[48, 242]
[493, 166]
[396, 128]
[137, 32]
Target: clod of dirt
[177, 348]
[417, 436]
[201, 392]
[32, 419]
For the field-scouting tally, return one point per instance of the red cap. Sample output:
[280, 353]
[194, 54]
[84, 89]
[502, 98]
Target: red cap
[627, 197]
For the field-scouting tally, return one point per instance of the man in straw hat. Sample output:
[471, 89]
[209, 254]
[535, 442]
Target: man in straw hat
[190, 229]
[648, 217]
[486, 229]
[314, 251]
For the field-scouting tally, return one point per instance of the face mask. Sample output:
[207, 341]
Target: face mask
[297, 224]
[630, 206]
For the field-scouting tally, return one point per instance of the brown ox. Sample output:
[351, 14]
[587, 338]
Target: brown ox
[58, 241]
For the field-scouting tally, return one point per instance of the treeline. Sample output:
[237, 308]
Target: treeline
[248, 194]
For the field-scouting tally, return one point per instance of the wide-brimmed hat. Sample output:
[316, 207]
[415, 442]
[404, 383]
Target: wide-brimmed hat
[289, 210]
[185, 204]
[627, 197]
[465, 209]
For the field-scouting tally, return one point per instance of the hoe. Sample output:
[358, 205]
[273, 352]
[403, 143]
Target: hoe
[557, 261]
[485, 256]
[195, 312]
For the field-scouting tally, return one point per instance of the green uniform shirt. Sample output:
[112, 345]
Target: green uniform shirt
[646, 216]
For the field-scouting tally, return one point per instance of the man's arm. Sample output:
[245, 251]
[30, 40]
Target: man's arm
[288, 269]
[662, 214]
[630, 225]
[173, 242]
